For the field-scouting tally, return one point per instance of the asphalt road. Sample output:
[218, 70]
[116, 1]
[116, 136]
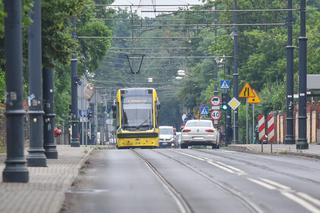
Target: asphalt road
[202, 181]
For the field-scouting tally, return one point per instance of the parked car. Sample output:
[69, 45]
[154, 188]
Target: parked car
[199, 132]
[167, 136]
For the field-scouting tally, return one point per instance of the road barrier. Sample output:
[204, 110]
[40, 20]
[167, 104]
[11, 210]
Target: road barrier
[261, 127]
[270, 128]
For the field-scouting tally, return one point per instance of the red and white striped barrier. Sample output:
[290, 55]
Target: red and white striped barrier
[271, 130]
[261, 127]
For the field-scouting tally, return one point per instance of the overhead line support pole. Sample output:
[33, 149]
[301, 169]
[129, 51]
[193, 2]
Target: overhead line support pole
[302, 142]
[289, 139]
[74, 94]
[235, 73]
[36, 155]
[15, 169]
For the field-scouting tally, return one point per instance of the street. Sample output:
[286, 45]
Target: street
[194, 180]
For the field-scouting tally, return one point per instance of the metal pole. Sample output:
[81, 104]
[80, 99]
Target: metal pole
[36, 155]
[15, 169]
[302, 142]
[289, 139]
[253, 124]
[235, 72]
[49, 121]
[247, 121]
[74, 96]
[95, 117]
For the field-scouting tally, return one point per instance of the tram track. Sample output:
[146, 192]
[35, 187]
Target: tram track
[181, 202]
[251, 206]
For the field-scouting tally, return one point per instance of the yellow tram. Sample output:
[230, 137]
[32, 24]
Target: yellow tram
[136, 114]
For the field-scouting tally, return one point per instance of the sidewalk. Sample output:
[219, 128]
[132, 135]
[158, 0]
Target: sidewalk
[47, 185]
[313, 151]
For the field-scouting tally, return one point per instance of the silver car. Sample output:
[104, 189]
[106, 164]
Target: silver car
[199, 132]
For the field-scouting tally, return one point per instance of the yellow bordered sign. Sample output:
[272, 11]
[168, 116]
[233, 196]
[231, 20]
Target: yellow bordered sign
[255, 100]
[246, 92]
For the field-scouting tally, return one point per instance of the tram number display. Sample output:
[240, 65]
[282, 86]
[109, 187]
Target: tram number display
[216, 114]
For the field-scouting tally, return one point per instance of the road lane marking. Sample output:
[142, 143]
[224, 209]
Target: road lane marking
[263, 184]
[309, 198]
[301, 202]
[276, 184]
[240, 172]
[192, 156]
[219, 166]
[304, 200]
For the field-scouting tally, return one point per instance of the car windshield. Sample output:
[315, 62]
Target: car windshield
[199, 124]
[166, 131]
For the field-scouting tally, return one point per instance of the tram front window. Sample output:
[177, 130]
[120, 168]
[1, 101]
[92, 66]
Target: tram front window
[137, 116]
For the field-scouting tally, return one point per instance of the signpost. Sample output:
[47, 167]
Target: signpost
[216, 114]
[215, 100]
[204, 110]
[246, 92]
[234, 104]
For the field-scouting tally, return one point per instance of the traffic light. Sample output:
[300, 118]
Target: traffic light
[224, 105]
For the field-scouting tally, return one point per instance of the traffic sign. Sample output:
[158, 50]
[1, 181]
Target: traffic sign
[255, 100]
[246, 92]
[225, 84]
[234, 103]
[204, 110]
[215, 100]
[216, 114]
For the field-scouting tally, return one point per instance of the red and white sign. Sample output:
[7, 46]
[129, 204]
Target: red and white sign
[271, 130]
[261, 127]
[216, 114]
[215, 100]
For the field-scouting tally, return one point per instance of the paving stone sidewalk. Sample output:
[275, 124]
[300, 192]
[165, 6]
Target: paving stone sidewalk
[313, 151]
[45, 192]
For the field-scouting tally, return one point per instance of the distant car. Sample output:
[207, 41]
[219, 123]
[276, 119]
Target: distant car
[167, 136]
[199, 132]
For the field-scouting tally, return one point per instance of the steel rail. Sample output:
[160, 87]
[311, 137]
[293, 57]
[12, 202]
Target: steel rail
[246, 202]
[182, 203]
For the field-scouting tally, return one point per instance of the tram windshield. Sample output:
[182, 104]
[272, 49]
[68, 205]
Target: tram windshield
[137, 113]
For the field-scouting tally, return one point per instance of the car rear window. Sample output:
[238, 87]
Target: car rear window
[166, 131]
[199, 124]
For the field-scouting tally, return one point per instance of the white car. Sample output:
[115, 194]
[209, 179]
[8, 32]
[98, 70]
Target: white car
[199, 132]
[167, 136]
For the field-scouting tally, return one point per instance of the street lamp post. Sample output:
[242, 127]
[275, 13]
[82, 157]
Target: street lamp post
[36, 151]
[15, 169]
[289, 139]
[302, 142]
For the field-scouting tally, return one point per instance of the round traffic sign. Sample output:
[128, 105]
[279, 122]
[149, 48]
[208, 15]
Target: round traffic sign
[215, 100]
[216, 114]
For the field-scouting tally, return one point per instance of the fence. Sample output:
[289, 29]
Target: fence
[313, 124]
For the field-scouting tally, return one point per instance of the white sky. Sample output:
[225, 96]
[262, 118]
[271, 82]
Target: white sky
[157, 2]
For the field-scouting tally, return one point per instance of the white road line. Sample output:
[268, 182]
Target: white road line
[192, 156]
[240, 172]
[263, 184]
[279, 185]
[309, 198]
[219, 166]
[301, 202]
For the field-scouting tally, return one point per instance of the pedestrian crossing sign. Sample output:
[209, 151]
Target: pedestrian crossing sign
[247, 92]
[225, 84]
[204, 110]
